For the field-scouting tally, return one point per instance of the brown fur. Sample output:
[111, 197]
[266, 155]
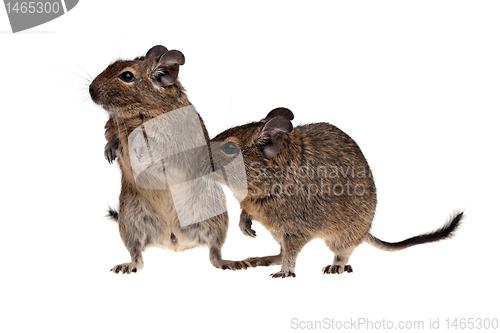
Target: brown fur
[147, 217]
[298, 207]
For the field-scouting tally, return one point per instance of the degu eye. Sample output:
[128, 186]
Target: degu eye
[127, 77]
[230, 148]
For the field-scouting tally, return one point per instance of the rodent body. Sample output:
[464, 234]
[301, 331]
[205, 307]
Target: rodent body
[134, 92]
[308, 182]
[319, 170]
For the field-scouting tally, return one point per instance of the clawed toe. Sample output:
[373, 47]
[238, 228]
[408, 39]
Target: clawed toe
[124, 268]
[257, 261]
[235, 265]
[282, 275]
[337, 269]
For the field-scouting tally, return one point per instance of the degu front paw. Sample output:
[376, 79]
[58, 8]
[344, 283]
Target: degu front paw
[110, 150]
[246, 227]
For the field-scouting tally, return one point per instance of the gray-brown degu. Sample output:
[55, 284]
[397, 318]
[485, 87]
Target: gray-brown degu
[302, 183]
[140, 96]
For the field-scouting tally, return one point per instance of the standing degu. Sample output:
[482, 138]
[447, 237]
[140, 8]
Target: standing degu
[134, 92]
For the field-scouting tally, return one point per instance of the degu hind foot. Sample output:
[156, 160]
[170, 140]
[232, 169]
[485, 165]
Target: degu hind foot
[218, 262]
[127, 268]
[282, 274]
[337, 269]
[232, 265]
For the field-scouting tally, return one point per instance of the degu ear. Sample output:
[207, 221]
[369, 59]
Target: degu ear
[283, 112]
[156, 51]
[270, 139]
[166, 70]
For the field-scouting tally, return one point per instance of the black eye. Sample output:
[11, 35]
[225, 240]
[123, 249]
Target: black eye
[230, 148]
[127, 77]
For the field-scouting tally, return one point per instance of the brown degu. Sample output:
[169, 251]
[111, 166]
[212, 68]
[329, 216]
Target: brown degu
[302, 183]
[140, 96]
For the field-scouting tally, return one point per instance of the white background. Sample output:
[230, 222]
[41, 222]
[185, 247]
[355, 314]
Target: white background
[416, 84]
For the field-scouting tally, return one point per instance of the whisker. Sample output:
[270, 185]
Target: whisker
[73, 73]
[69, 82]
[91, 78]
[84, 100]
